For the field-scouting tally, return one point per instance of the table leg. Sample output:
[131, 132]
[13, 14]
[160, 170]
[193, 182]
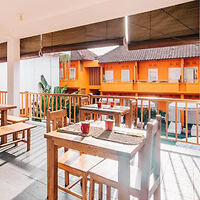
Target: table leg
[128, 120]
[28, 140]
[52, 170]
[123, 177]
[95, 117]
[81, 115]
[3, 123]
[117, 120]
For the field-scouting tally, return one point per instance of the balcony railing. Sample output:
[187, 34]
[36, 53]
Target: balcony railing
[3, 97]
[180, 117]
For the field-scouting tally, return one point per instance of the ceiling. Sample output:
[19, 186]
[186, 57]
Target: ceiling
[39, 17]
[170, 26]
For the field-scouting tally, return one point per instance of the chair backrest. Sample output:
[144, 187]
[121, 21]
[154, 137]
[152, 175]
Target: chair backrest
[134, 112]
[151, 150]
[85, 101]
[58, 118]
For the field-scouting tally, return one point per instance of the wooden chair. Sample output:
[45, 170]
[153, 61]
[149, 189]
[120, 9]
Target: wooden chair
[72, 162]
[148, 164]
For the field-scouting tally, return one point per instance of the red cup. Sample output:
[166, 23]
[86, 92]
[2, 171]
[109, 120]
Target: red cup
[99, 104]
[109, 124]
[112, 104]
[85, 127]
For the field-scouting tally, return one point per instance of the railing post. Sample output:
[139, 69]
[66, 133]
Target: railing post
[26, 104]
[90, 98]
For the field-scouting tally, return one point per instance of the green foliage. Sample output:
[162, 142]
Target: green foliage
[59, 101]
[153, 114]
[43, 85]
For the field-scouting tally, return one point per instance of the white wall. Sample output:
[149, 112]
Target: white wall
[3, 76]
[30, 72]
[32, 69]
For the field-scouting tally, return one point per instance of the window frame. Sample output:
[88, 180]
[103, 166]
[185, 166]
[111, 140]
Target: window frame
[128, 80]
[149, 77]
[109, 80]
[70, 76]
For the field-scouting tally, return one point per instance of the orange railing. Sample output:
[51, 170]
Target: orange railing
[180, 117]
[3, 97]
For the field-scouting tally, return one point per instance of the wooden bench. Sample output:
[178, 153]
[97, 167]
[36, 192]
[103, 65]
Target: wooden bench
[15, 130]
[15, 119]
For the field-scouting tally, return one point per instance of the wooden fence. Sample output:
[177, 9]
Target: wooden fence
[35, 105]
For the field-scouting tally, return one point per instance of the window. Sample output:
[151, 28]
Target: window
[109, 76]
[190, 74]
[174, 74]
[125, 76]
[72, 73]
[153, 75]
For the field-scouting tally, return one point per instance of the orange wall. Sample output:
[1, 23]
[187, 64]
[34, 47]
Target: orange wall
[193, 62]
[82, 75]
[162, 66]
[117, 67]
[89, 63]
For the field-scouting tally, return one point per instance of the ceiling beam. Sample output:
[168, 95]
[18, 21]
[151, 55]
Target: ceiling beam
[83, 45]
[182, 40]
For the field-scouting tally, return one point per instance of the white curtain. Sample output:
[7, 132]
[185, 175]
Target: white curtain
[125, 76]
[153, 75]
[174, 74]
[109, 76]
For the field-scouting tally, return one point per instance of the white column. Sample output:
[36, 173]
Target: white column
[13, 73]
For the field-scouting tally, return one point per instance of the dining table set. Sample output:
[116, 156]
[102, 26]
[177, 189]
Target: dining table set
[4, 108]
[106, 139]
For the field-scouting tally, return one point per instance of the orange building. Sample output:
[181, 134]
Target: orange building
[162, 72]
[80, 72]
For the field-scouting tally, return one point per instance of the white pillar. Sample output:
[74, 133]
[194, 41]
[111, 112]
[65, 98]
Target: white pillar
[13, 73]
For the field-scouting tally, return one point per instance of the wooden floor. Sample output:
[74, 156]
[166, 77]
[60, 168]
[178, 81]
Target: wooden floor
[23, 174]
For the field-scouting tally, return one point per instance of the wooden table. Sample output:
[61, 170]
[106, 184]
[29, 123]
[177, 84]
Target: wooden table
[116, 111]
[106, 149]
[4, 110]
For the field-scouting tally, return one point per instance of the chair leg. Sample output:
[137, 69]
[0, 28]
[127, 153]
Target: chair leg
[23, 134]
[15, 135]
[84, 187]
[156, 195]
[91, 193]
[108, 193]
[66, 178]
[100, 191]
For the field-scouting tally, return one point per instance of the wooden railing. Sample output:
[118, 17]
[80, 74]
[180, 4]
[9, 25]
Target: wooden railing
[3, 97]
[176, 113]
[35, 105]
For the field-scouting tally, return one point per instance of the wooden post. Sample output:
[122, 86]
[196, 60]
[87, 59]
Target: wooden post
[26, 104]
[182, 70]
[90, 98]
[156, 158]
[197, 123]
[176, 120]
[52, 170]
[3, 123]
[186, 121]
[28, 140]
[123, 177]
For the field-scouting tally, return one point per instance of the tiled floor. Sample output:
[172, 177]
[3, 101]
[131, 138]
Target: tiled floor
[23, 174]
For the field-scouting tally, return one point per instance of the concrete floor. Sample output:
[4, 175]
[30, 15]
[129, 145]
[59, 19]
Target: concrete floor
[23, 174]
